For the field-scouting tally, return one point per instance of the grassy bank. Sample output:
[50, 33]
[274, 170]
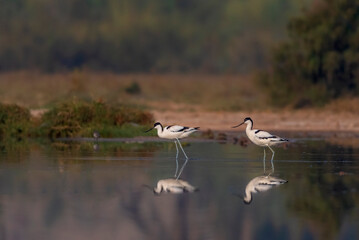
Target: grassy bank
[74, 118]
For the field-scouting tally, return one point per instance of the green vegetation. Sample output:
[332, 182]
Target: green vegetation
[78, 118]
[14, 121]
[137, 35]
[74, 119]
[320, 61]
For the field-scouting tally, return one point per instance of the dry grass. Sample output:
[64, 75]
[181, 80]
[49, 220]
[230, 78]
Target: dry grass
[209, 92]
[344, 105]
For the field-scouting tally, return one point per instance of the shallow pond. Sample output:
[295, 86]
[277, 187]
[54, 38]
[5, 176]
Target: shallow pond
[84, 190]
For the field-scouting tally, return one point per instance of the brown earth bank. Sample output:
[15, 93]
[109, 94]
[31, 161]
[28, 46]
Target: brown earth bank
[299, 120]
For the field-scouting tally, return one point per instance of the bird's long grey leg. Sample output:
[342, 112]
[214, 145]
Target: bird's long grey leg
[264, 160]
[272, 158]
[182, 148]
[176, 159]
[176, 148]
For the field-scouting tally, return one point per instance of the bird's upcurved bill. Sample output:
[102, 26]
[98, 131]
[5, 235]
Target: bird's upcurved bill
[148, 130]
[238, 125]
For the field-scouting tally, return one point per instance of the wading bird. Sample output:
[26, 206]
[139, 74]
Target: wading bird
[96, 135]
[175, 133]
[261, 138]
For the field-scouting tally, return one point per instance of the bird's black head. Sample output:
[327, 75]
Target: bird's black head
[157, 124]
[154, 126]
[248, 119]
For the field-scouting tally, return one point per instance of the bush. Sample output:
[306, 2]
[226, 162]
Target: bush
[14, 121]
[77, 118]
[134, 88]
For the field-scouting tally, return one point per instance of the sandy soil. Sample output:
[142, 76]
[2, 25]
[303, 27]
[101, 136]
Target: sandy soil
[303, 120]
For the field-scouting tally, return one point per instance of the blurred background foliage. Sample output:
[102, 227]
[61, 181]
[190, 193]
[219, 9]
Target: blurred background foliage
[137, 35]
[320, 59]
[305, 51]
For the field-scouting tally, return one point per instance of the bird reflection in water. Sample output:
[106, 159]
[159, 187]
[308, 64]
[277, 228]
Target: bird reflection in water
[96, 147]
[260, 184]
[173, 185]
[96, 136]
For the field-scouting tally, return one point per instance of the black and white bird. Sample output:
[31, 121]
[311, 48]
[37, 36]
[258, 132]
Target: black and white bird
[172, 185]
[260, 184]
[174, 132]
[260, 137]
[96, 135]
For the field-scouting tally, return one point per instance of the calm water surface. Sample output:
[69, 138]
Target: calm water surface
[79, 190]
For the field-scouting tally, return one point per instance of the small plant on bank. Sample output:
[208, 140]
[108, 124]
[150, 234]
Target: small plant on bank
[133, 89]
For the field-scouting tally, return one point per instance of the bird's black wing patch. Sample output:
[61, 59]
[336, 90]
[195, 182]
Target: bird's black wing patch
[268, 137]
[182, 129]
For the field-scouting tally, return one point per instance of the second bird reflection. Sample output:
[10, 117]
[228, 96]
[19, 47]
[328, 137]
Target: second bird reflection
[174, 185]
[260, 184]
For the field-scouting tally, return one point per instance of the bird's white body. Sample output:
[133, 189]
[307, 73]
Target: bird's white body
[174, 132]
[262, 138]
[172, 185]
[261, 184]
